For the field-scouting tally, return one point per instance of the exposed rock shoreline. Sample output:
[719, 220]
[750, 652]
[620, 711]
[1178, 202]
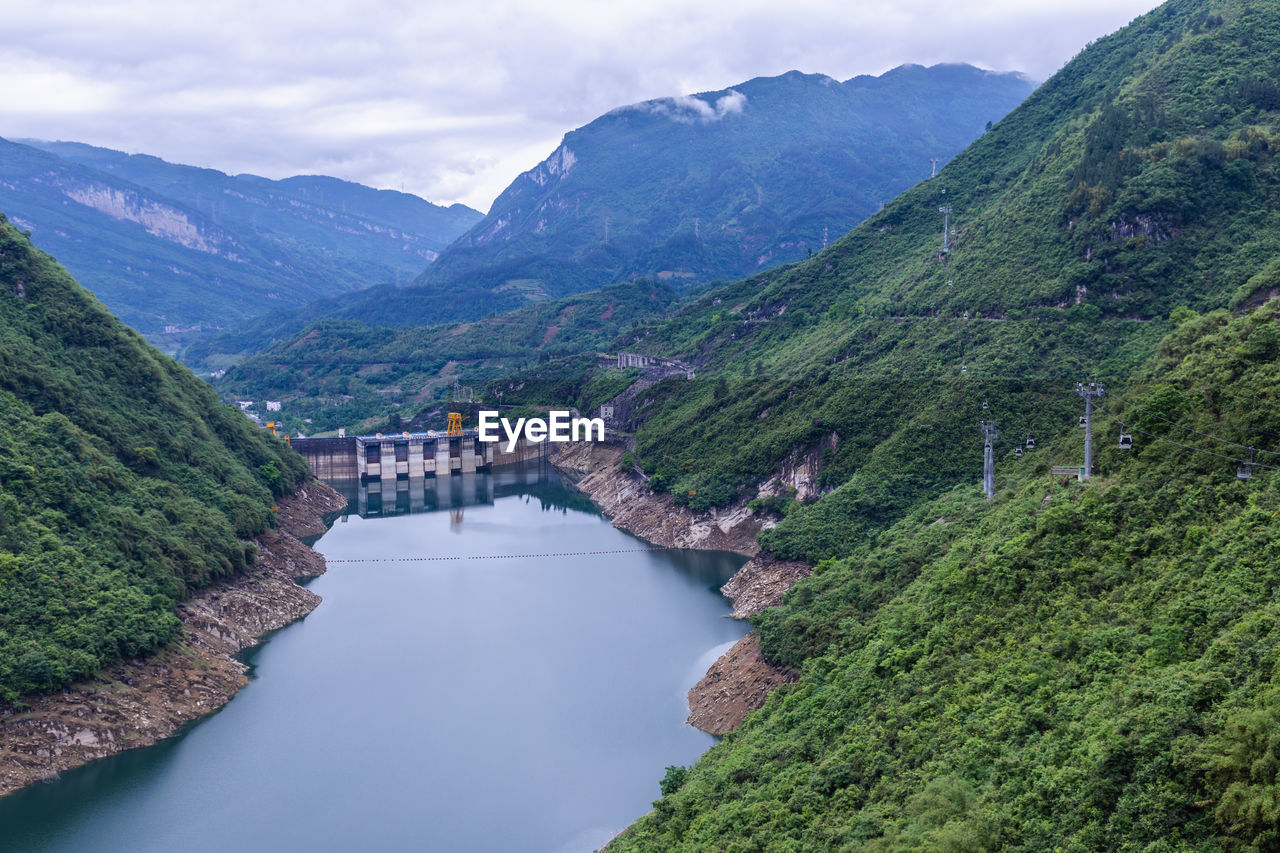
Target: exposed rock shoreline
[138, 702]
[594, 467]
[740, 680]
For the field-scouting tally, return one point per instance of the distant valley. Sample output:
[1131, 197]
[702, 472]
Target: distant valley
[974, 624]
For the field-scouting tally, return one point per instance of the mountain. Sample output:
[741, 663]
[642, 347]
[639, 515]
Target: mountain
[124, 481]
[1088, 667]
[434, 225]
[723, 184]
[693, 188]
[167, 245]
[1141, 179]
[704, 187]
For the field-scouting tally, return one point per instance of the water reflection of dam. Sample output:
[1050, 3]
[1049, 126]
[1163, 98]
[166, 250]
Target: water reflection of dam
[384, 498]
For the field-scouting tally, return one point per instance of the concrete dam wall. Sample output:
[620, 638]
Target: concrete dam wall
[411, 455]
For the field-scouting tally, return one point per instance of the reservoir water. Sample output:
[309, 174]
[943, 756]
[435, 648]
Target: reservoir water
[504, 700]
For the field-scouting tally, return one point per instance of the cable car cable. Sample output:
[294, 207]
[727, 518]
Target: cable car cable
[1124, 425]
[1205, 434]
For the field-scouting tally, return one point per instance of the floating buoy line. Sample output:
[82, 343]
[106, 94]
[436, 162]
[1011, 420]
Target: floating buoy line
[445, 559]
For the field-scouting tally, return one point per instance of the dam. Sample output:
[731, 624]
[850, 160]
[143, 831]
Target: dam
[411, 455]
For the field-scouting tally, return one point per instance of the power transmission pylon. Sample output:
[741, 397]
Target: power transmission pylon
[934, 161]
[1093, 389]
[989, 435]
[946, 222]
[462, 393]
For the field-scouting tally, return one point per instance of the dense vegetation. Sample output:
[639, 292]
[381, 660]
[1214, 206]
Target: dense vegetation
[124, 481]
[1094, 670]
[1089, 667]
[1140, 179]
[341, 373]
[170, 245]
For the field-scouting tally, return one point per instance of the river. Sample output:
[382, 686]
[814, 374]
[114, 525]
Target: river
[459, 689]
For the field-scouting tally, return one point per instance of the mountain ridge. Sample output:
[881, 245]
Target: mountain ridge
[168, 245]
[654, 173]
[871, 102]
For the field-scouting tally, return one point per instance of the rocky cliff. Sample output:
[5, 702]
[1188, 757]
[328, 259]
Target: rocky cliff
[624, 497]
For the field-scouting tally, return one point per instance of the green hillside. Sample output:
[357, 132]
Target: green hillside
[124, 481]
[1089, 671]
[1096, 670]
[338, 373]
[1139, 179]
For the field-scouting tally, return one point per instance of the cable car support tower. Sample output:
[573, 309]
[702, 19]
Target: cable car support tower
[989, 436]
[1089, 392]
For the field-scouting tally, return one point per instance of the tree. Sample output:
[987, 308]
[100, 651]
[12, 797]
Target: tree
[673, 779]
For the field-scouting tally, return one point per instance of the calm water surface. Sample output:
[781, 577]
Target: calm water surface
[494, 702]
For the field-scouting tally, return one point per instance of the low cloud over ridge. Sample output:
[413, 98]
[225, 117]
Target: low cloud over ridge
[453, 101]
[690, 109]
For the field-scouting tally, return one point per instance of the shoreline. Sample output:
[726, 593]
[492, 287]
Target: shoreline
[741, 679]
[138, 702]
[141, 701]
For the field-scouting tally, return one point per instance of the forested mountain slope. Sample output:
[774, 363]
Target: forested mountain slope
[1088, 668]
[1140, 178]
[166, 245]
[337, 373]
[430, 227]
[699, 188]
[124, 481]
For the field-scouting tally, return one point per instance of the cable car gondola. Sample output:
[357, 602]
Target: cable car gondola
[1245, 471]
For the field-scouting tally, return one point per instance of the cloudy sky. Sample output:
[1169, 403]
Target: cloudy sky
[452, 100]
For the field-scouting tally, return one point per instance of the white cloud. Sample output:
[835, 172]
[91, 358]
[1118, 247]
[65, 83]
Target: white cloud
[690, 109]
[452, 100]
